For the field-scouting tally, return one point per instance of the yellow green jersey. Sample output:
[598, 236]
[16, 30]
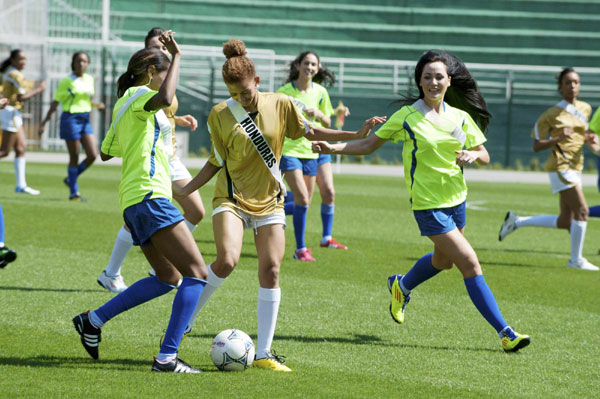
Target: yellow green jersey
[594, 125]
[315, 97]
[136, 137]
[433, 179]
[74, 93]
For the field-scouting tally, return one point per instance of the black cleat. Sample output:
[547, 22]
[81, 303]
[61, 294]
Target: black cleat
[174, 366]
[90, 335]
[7, 255]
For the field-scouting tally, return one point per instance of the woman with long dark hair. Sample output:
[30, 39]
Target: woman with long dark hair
[138, 134]
[442, 132]
[74, 94]
[563, 128]
[18, 90]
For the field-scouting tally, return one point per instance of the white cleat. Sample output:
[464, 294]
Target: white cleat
[27, 190]
[582, 264]
[508, 226]
[112, 283]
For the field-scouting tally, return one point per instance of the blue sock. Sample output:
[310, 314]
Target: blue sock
[137, 293]
[300, 224]
[72, 179]
[422, 270]
[1, 225]
[327, 212]
[184, 305]
[81, 168]
[595, 211]
[288, 204]
[598, 166]
[484, 301]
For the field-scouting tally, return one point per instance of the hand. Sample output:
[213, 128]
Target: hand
[42, 128]
[369, 124]
[567, 132]
[314, 113]
[168, 40]
[465, 157]
[591, 138]
[322, 147]
[42, 86]
[4, 102]
[188, 121]
[100, 106]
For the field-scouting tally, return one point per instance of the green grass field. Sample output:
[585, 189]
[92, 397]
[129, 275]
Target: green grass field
[334, 326]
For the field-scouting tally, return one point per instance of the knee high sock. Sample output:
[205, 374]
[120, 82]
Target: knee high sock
[81, 168]
[123, 244]
[139, 292]
[288, 204]
[212, 284]
[185, 301]
[577, 231]
[598, 165]
[19, 163]
[327, 212]
[267, 309]
[537, 221]
[299, 220]
[484, 301]
[595, 211]
[72, 179]
[1, 227]
[422, 271]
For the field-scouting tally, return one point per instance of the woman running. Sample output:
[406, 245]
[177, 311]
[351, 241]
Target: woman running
[74, 94]
[448, 115]
[137, 134]
[18, 90]
[247, 133]
[563, 129]
[7, 255]
[300, 165]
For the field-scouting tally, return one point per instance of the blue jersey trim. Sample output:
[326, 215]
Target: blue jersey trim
[413, 165]
[153, 152]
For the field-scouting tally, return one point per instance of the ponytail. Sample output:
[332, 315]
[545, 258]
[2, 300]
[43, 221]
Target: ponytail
[138, 67]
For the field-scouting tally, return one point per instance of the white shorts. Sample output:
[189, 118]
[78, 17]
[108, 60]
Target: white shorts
[252, 221]
[10, 119]
[564, 180]
[178, 170]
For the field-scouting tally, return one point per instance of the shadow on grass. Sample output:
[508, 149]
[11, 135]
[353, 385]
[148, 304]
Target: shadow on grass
[48, 289]
[357, 339]
[446, 348]
[521, 251]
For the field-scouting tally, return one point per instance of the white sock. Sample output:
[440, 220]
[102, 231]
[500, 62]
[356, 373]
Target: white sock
[212, 283]
[326, 239]
[268, 306]
[538, 221]
[20, 172]
[95, 320]
[190, 225]
[577, 231]
[123, 244]
[166, 357]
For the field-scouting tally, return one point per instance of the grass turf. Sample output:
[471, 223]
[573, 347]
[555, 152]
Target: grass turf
[333, 322]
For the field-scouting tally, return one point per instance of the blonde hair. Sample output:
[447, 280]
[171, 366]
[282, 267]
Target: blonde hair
[237, 67]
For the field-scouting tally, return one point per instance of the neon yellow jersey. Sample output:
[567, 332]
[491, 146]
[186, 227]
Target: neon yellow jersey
[315, 97]
[433, 179]
[74, 93]
[594, 124]
[145, 171]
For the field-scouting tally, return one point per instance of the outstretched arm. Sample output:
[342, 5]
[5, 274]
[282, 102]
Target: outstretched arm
[540, 145]
[206, 173]
[321, 133]
[357, 147]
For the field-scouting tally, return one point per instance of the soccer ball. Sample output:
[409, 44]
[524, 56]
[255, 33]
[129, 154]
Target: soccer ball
[232, 350]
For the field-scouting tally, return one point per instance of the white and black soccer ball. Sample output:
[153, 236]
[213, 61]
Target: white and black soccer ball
[232, 350]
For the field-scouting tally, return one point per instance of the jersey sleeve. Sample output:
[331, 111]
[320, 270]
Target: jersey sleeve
[138, 105]
[110, 144]
[541, 129]
[218, 152]
[475, 136]
[62, 92]
[595, 122]
[393, 129]
[19, 81]
[296, 126]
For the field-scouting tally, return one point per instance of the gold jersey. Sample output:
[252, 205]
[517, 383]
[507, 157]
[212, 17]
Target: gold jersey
[245, 182]
[567, 154]
[14, 84]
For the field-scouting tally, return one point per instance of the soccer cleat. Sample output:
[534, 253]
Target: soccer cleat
[90, 335]
[582, 264]
[174, 366]
[508, 226]
[112, 283]
[7, 255]
[77, 198]
[399, 299]
[512, 341]
[273, 361]
[27, 190]
[304, 254]
[333, 244]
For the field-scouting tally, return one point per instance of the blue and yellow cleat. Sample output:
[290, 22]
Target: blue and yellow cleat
[512, 341]
[399, 299]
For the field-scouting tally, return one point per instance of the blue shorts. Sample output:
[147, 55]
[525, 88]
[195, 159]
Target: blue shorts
[149, 216]
[73, 126]
[308, 166]
[441, 220]
[323, 158]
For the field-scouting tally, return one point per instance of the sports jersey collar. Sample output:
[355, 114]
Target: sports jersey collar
[312, 84]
